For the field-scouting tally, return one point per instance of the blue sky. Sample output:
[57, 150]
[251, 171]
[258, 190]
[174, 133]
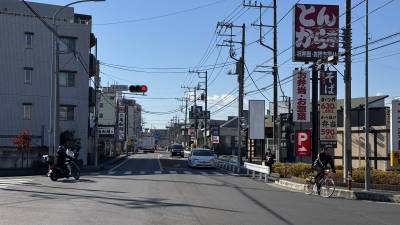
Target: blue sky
[180, 41]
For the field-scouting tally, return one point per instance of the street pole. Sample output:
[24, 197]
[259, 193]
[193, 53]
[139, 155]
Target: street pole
[347, 153]
[96, 115]
[275, 74]
[367, 149]
[205, 108]
[186, 130]
[241, 95]
[195, 116]
[314, 103]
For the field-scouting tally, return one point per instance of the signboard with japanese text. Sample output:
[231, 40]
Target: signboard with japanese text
[395, 126]
[303, 143]
[301, 96]
[315, 32]
[328, 110]
[215, 139]
[121, 123]
[106, 130]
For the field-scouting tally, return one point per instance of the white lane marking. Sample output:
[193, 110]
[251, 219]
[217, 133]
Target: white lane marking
[4, 183]
[159, 162]
[204, 173]
[128, 172]
[157, 172]
[119, 165]
[172, 172]
[142, 172]
[187, 172]
[218, 174]
[111, 172]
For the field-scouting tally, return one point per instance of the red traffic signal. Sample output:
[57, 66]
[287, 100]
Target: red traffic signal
[138, 88]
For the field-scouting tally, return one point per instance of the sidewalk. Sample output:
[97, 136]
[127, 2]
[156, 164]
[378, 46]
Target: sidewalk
[354, 194]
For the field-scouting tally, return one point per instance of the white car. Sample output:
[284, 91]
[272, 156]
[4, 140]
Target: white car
[201, 157]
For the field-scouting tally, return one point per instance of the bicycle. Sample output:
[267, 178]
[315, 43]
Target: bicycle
[327, 185]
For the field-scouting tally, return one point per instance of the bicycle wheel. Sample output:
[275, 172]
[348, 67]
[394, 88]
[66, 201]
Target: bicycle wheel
[308, 186]
[328, 188]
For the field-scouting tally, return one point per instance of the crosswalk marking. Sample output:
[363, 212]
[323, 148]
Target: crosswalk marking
[142, 172]
[172, 172]
[218, 174]
[111, 172]
[4, 183]
[187, 172]
[157, 172]
[128, 172]
[203, 173]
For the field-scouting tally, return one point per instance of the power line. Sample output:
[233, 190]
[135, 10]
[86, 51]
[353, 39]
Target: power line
[161, 16]
[247, 69]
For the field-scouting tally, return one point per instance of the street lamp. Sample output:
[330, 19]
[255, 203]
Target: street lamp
[55, 89]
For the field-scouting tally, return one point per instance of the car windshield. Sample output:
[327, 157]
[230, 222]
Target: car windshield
[177, 147]
[202, 153]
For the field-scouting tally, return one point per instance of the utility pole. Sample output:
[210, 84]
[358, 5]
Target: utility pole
[314, 113]
[240, 68]
[205, 77]
[367, 149]
[186, 130]
[274, 49]
[96, 111]
[347, 159]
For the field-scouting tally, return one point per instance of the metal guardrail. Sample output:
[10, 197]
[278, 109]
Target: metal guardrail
[227, 165]
[260, 169]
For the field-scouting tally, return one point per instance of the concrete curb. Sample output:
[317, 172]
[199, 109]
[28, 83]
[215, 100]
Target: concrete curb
[347, 194]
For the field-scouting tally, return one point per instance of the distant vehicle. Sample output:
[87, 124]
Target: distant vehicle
[148, 144]
[201, 157]
[176, 149]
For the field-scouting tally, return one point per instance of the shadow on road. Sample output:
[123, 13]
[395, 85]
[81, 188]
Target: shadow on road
[130, 203]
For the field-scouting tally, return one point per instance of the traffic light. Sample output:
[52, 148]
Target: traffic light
[138, 88]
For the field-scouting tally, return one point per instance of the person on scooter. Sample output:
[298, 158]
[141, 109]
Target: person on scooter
[62, 158]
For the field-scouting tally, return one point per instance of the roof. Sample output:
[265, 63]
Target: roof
[359, 102]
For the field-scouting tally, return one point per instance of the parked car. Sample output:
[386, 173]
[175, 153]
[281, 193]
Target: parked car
[177, 149]
[201, 157]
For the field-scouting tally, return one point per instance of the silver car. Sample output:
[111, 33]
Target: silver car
[201, 157]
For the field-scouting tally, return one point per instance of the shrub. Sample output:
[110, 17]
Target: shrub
[304, 170]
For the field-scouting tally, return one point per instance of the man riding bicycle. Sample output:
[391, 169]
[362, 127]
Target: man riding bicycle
[320, 164]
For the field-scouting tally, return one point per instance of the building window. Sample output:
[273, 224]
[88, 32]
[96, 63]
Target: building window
[67, 44]
[29, 40]
[66, 79]
[101, 105]
[100, 115]
[28, 75]
[27, 111]
[67, 113]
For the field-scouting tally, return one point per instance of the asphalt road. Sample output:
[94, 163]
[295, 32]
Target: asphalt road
[157, 189]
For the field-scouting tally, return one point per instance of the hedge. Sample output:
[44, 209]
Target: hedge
[304, 170]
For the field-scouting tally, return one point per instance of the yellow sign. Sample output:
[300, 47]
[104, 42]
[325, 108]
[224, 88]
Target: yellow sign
[394, 158]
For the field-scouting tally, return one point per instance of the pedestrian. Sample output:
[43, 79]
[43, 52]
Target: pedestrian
[269, 158]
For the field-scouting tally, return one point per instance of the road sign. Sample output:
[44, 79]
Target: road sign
[215, 139]
[303, 143]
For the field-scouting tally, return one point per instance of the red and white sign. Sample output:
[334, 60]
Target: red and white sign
[316, 32]
[215, 139]
[301, 95]
[303, 142]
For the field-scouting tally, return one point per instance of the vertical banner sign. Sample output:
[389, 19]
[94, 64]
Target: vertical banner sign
[303, 143]
[257, 119]
[328, 111]
[121, 123]
[395, 133]
[315, 32]
[301, 96]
